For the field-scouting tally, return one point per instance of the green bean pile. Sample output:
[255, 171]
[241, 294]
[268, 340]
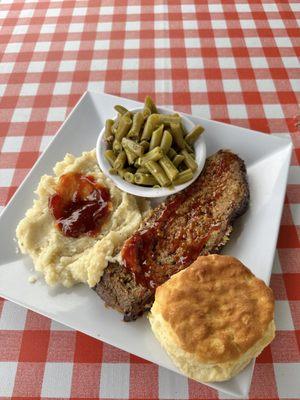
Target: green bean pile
[150, 149]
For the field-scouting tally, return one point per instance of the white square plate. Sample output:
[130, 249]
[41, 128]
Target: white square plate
[253, 240]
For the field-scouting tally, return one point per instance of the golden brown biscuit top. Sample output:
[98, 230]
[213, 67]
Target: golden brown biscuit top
[216, 308]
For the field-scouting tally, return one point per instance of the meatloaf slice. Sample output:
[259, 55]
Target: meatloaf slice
[196, 221]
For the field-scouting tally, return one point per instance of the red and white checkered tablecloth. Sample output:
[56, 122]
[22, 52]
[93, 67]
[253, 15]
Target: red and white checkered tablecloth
[230, 61]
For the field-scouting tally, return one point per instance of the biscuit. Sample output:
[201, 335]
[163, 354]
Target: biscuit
[213, 318]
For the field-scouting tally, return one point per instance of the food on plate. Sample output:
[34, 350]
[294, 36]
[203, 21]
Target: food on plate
[80, 205]
[150, 149]
[213, 318]
[78, 222]
[196, 221]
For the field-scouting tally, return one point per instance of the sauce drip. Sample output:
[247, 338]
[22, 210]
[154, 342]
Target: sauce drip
[139, 252]
[80, 205]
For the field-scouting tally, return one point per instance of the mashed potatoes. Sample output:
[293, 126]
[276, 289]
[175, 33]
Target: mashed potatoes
[69, 260]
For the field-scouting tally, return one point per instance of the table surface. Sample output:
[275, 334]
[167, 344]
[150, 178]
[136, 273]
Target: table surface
[233, 62]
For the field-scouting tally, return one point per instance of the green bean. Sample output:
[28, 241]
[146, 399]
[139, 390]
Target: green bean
[156, 170]
[156, 137]
[150, 125]
[115, 125]
[117, 146]
[153, 155]
[128, 114]
[131, 156]
[110, 156]
[133, 146]
[145, 144]
[129, 177]
[108, 134]
[166, 142]
[169, 168]
[120, 160]
[121, 172]
[177, 160]
[137, 122]
[177, 135]
[189, 161]
[171, 153]
[169, 119]
[123, 127]
[194, 134]
[183, 177]
[113, 171]
[137, 163]
[144, 179]
[142, 170]
[146, 112]
[188, 147]
[183, 130]
[120, 109]
[150, 104]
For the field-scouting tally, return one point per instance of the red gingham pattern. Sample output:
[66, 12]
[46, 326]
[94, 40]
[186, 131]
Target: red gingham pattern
[235, 62]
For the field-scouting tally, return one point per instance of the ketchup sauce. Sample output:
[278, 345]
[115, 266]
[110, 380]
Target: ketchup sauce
[139, 252]
[80, 205]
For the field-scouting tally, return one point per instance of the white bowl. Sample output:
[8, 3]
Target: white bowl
[144, 191]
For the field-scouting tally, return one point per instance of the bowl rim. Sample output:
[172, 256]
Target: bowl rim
[144, 191]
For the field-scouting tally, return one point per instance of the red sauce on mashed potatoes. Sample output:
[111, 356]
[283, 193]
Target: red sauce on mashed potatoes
[80, 205]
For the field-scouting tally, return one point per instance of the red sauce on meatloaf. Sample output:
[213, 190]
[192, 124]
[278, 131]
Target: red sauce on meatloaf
[80, 205]
[173, 239]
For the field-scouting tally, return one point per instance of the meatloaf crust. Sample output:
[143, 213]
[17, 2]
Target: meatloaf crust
[196, 221]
